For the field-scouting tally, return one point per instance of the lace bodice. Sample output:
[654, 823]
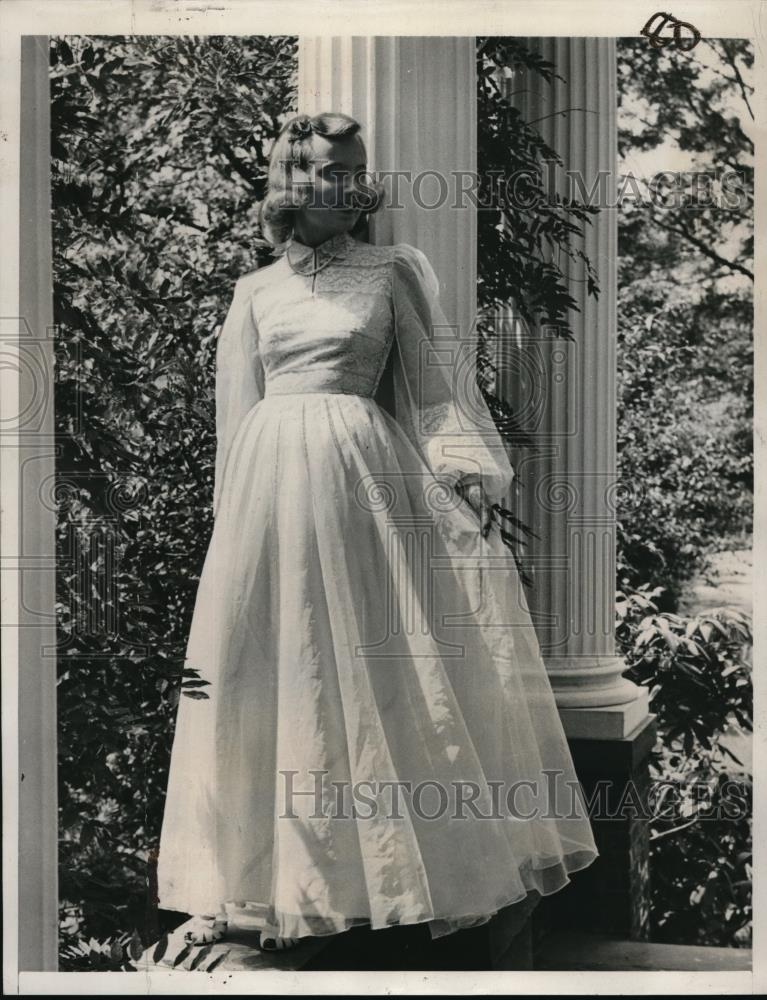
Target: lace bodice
[333, 328]
[329, 331]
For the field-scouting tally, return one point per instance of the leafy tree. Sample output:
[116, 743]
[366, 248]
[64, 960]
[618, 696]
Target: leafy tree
[685, 368]
[685, 307]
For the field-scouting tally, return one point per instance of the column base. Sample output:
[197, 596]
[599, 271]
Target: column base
[611, 896]
[606, 722]
[591, 682]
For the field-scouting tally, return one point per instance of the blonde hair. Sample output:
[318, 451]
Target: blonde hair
[292, 149]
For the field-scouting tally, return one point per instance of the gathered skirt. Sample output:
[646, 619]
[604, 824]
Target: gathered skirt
[376, 741]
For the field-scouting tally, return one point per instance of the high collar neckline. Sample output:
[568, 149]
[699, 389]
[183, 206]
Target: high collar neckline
[335, 245]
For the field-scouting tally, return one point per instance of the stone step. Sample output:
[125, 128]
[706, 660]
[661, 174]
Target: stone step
[508, 948]
[502, 943]
[570, 951]
[239, 952]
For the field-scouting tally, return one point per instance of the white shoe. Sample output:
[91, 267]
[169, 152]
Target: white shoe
[206, 929]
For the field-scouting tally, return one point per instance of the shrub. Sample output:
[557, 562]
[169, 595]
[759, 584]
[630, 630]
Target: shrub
[699, 676]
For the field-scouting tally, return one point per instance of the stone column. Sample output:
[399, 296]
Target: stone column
[415, 98]
[570, 481]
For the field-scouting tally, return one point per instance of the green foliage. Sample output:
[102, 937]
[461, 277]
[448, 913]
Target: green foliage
[117, 954]
[701, 863]
[685, 323]
[160, 149]
[525, 231]
[701, 102]
[699, 676]
[685, 384]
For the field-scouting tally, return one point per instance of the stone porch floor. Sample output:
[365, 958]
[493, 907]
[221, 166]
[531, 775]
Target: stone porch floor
[501, 946]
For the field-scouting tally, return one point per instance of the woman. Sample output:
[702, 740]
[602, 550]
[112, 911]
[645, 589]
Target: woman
[379, 735]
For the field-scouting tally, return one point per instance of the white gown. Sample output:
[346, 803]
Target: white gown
[378, 742]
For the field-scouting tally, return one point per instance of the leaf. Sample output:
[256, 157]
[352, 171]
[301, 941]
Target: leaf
[160, 949]
[135, 946]
[671, 640]
[217, 961]
[200, 957]
[185, 952]
[731, 754]
[717, 624]
[65, 51]
[645, 637]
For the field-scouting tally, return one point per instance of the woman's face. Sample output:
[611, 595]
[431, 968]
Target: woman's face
[336, 171]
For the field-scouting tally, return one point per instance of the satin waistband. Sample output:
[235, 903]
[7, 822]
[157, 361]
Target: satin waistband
[278, 394]
[330, 381]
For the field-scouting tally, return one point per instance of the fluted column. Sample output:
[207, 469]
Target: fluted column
[415, 97]
[572, 488]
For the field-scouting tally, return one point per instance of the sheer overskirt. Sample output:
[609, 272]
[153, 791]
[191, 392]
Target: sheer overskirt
[358, 633]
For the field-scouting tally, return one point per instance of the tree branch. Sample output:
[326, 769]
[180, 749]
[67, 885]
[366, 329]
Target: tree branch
[704, 248]
[237, 163]
[731, 60]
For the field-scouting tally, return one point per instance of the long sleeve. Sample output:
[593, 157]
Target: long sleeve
[239, 376]
[437, 400]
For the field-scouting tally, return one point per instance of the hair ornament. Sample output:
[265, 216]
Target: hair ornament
[301, 127]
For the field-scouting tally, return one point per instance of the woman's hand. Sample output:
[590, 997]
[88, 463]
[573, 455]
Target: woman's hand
[474, 494]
